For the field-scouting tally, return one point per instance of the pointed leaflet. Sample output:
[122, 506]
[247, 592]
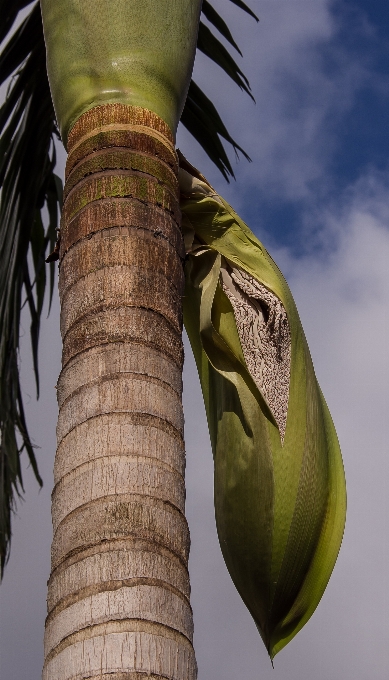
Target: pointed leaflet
[213, 49]
[279, 481]
[215, 19]
[245, 8]
[203, 121]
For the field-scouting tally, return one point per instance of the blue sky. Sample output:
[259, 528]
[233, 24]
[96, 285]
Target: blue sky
[317, 194]
[322, 93]
[363, 30]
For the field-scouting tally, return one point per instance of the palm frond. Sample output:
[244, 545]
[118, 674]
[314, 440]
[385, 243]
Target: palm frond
[8, 12]
[214, 18]
[202, 120]
[200, 116]
[213, 49]
[28, 186]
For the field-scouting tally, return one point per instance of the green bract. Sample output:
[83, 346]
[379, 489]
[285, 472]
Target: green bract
[137, 52]
[280, 493]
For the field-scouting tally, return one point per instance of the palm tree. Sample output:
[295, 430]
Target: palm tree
[118, 597]
[118, 601]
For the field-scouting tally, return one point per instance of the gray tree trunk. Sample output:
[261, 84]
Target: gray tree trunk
[118, 599]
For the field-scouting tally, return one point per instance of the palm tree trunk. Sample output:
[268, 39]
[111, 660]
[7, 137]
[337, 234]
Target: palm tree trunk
[118, 600]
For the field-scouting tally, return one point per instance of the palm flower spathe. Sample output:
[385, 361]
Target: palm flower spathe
[280, 496]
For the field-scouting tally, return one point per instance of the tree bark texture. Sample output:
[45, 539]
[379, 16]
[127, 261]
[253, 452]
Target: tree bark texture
[118, 597]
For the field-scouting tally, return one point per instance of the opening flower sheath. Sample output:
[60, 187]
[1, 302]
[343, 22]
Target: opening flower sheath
[280, 494]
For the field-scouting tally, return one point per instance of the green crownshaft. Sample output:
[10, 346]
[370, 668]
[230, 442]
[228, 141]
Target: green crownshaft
[119, 51]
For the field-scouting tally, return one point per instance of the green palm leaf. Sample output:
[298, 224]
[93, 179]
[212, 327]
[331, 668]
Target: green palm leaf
[29, 186]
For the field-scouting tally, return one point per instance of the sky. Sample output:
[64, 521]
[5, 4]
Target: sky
[316, 193]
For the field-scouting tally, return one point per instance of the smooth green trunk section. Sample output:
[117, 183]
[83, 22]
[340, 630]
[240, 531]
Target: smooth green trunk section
[136, 52]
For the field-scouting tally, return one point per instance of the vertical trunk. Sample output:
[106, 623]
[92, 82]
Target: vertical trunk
[118, 601]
